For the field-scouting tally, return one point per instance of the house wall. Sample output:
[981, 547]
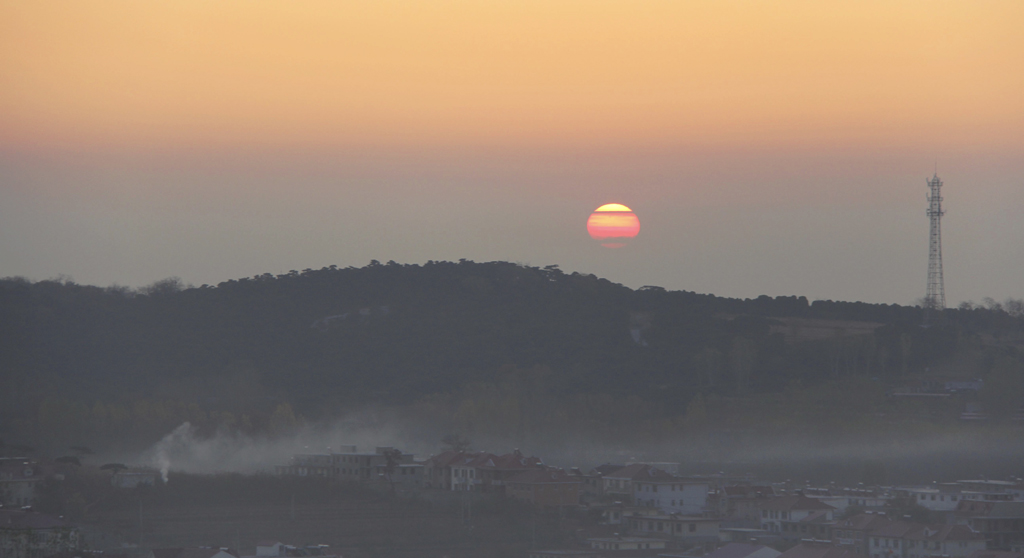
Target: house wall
[671, 497]
[463, 478]
[885, 547]
[771, 520]
[680, 528]
[18, 482]
[795, 530]
[612, 485]
[953, 549]
[31, 543]
[851, 538]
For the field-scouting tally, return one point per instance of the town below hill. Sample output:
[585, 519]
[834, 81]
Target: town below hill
[461, 503]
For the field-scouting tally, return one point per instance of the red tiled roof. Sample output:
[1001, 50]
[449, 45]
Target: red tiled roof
[605, 469]
[484, 460]
[481, 459]
[444, 458]
[816, 516]
[516, 460]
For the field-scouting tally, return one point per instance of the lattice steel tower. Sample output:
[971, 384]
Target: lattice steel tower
[936, 297]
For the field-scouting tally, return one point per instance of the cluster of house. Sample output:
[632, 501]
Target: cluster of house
[940, 388]
[646, 509]
[650, 507]
[20, 479]
[264, 549]
[27, 534]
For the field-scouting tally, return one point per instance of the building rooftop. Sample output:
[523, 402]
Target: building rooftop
[643, 473]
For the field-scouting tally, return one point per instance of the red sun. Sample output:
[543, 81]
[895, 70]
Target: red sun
[613, 224]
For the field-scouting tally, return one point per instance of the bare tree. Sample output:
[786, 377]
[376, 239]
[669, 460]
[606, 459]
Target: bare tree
[455, 442]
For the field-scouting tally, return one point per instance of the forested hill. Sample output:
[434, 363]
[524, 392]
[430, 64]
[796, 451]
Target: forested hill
[319, 339]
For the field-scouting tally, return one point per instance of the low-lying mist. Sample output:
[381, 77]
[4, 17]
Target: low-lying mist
[905, 456]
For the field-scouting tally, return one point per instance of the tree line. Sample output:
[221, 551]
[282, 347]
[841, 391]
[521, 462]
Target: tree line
[493, 343]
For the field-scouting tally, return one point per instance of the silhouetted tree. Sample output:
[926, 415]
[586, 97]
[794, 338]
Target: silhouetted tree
[455, 442]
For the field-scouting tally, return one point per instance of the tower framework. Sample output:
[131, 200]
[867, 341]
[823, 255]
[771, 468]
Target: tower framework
[935, 299]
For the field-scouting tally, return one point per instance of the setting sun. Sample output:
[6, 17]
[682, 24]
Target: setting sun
[613, 224]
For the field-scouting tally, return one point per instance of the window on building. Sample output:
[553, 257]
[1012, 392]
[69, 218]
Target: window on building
[693, 527]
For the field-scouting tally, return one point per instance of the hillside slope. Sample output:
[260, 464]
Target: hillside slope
[321, 339]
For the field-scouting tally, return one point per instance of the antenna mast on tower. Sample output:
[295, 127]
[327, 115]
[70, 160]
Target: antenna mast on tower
[935, 299]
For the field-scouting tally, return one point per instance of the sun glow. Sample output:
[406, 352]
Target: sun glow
[613, 207]
[613, 224]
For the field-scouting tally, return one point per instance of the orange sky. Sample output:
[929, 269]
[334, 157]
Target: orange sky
[768, 147]
[255, 73]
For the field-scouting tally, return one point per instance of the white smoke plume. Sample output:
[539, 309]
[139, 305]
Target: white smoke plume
[184, 450]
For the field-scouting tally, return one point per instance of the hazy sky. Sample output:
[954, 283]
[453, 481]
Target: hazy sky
[767, 147]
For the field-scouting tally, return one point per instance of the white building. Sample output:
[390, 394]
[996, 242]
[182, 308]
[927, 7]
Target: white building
[790, 509]
[914, 540]
[19, 479]
[649, 487]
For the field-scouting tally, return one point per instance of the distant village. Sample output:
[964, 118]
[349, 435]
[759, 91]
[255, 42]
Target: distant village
[651, 509]
[641, 509]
